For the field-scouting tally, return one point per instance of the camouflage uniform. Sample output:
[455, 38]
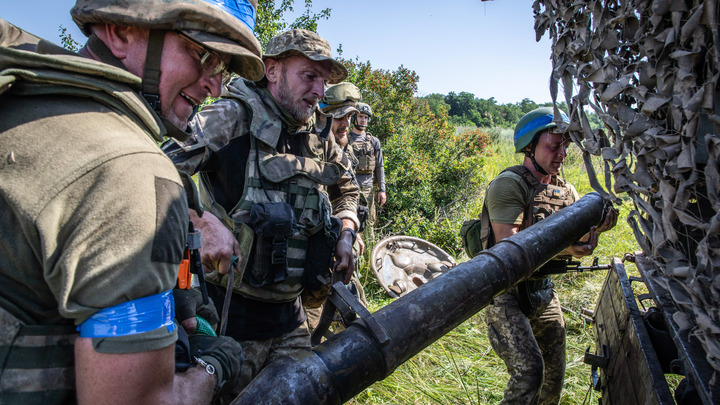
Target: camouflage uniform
[370, 170]
[80, 167]
[248, 149]
[526, 327]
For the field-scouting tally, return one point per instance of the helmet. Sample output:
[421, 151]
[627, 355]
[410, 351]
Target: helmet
[340, 99]
[222, 26]
[534, 123]
[364, 109]
[308, 44]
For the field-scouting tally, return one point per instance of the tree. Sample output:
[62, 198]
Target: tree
[270, 20]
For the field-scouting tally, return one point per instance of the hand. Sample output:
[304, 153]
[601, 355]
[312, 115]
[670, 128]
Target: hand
[610, 220]
[188, 304]
[580, 248]
[344, 257]
[218, 243]
[361, 245]
[381, 197]
[224, 353]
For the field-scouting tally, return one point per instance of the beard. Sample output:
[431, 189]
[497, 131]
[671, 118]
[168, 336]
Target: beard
[296, 111]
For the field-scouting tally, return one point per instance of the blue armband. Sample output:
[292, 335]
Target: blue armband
[132, 317]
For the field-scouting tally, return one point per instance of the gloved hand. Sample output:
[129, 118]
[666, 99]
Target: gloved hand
[224, 353]
[188, 304]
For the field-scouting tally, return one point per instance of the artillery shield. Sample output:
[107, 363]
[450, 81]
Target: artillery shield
[403, 263]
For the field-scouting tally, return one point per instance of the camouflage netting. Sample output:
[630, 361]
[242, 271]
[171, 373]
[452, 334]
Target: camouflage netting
[650, 70]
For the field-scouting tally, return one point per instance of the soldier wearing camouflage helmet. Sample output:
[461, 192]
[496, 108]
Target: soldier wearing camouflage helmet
[525, 325]
[339, 102]
[370, 170]
[95, 215]
[268, 167]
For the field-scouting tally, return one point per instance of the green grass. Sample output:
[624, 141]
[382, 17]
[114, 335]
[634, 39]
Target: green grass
[461, 367]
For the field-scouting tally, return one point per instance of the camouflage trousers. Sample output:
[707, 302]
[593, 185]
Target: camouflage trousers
[260, 353]
[532, 347]
[367, 198]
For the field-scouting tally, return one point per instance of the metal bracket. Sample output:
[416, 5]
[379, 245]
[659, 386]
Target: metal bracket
[597, 362]
[341, 299]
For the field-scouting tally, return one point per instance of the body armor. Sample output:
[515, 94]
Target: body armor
[271, 176]
[546, 200]
[365, 154]
[38, 360]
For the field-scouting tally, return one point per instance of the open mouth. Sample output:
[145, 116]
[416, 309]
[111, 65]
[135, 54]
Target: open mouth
[190, 100]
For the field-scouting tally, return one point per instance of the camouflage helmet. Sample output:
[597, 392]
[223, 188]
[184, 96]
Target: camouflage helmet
[223, 26]
[308, 44]
[364, 109]
[534, 123]
[340, 99]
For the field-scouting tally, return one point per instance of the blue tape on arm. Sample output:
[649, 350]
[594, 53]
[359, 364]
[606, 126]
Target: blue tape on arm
[240, 9]
[132, 317]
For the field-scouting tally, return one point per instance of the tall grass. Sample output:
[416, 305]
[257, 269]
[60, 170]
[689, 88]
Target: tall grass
[461, 367]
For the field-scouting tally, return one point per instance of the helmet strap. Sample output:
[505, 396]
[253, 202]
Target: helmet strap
[532, 157]
[151, 75]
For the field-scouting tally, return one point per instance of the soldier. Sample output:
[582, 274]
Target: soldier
[94, 214]
[525, 325]
[370, 171]
[265, 157]
[339, 102]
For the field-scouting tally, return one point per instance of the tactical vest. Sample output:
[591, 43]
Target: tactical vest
[365, 154]
[546, 200]
[276, 177]
[38, 360]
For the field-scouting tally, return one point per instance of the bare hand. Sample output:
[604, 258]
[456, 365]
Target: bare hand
[218, 243]
[610, 220]
[344, 257]
[361, 245]
[580, 248]
[382, 197]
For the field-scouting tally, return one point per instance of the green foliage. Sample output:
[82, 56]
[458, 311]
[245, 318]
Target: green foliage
[389, 94]
[67, 41]
[270, 19]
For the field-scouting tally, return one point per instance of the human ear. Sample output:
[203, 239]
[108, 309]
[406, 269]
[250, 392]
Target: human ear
[272, 70]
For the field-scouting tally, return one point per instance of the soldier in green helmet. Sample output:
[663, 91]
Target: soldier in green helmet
[370, 170]
[268, 167]
[94, 214]
[525, 325]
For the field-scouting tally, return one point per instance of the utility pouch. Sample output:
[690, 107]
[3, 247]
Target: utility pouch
[273, 223]
[363, 213]
[319, 264]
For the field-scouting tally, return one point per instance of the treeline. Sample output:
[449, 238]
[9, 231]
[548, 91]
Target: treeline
[465, 110]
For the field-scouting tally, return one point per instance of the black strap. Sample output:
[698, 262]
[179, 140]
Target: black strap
[151, 75]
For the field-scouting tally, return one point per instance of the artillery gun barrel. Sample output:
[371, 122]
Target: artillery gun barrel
[347, 363]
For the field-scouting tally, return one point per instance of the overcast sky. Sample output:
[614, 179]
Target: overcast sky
[486, 48]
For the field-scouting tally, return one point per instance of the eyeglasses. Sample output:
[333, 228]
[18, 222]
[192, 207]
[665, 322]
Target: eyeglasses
[210, 61]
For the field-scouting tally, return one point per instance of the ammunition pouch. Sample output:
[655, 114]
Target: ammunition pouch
[363, 213]
[534, 293]
[319, 264]
[273, 224]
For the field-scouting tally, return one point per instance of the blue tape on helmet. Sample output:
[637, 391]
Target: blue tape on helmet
[240, 9]
[132, 317]
[538, 123]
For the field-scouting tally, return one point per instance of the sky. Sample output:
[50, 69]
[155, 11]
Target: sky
[486, 48]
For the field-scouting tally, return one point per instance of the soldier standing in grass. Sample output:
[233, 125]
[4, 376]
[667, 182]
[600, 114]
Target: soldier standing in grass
[370, 170]
[265, 157]
[525, 325]
[94, 215]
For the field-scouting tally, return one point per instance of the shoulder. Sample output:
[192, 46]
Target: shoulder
[217, 123]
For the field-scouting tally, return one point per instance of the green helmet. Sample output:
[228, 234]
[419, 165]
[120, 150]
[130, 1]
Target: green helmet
[308, 44]
[225, 27]
[340, 99]
[534, 123]
[364, 109]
